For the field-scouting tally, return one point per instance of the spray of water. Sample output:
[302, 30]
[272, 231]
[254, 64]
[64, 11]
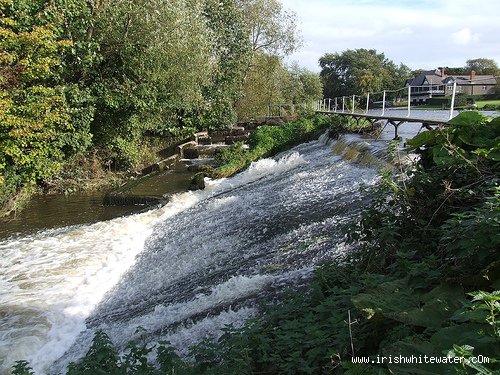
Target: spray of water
[182, 271]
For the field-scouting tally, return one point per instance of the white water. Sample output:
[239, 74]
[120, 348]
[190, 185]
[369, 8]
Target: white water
[182, 271]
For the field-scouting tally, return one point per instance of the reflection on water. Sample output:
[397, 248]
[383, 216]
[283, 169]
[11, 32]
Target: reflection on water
[53, 211]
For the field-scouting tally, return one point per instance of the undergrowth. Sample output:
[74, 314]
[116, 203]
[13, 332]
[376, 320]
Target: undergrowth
[269, 140]
[423, 282]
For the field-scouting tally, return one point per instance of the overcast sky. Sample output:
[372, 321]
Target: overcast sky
[419, 33]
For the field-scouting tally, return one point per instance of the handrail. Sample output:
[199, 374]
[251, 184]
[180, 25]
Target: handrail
[409, 93]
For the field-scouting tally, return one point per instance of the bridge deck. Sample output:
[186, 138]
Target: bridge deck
[391, 119]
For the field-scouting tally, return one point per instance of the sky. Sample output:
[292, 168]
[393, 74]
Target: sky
[422, 34]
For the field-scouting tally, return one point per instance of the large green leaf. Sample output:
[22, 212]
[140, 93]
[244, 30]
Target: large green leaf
[425, 138]
[441, 156]
[397, 301]
[468, 118]
[466, 334]
[494, 153]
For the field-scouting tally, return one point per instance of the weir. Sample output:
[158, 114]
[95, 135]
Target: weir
[185, 270]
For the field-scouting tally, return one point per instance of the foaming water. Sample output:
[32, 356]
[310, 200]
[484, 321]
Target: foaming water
[181, 272]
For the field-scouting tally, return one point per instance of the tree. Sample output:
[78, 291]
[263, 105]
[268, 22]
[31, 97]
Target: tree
[36, 131]
[482, 66]
[357, 72]
[272, 34]
[231, 51]
[271, 29]
[307, 85]
[459, 71]
[262, 87]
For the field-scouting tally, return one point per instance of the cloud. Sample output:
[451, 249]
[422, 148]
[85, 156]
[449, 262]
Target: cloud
[419, 33]
[464, 37]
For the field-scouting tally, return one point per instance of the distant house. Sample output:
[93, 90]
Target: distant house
[435, 83]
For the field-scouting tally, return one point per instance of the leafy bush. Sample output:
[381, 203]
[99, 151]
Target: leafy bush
[269, 140]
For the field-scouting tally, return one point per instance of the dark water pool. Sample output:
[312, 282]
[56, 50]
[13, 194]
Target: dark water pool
[53, 211]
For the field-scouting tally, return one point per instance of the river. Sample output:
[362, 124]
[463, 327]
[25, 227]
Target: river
[181, 271]
[185, 270]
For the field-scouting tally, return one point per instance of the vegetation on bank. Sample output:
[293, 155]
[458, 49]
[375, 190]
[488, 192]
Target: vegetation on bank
[268, 140]
[102, 80]
[422, 281]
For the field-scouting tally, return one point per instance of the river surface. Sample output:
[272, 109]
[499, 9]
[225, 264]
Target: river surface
[58, 210]
[185, 270]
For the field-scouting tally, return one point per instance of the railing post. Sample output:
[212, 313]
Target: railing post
[343, 104]
[329, 104]
[383, 104]
[336, 105]
[452, 107]
[353, 100]
[367, 102]
[409, 97]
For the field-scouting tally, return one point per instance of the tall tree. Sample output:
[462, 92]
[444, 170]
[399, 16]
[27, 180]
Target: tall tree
[482, 66]
[272, 29]
[272, 34]
[360, 71]
[231, 51]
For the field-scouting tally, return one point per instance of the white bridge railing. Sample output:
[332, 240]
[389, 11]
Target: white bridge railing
[347, 104]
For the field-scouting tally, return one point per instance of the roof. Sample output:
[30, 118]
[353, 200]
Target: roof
[420, 79]
[478, 80]
[433, 77]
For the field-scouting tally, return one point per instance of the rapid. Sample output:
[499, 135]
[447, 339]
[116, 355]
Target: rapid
[183, 271]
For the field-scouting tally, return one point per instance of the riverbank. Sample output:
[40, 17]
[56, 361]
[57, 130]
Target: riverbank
[89, 173]
[267, 141]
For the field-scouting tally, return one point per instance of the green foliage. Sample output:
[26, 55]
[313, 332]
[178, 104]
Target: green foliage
[269, 140]
[482, 66]
[22, 368]
[360, 71]
[267, 84]
[231, 48]
[79, 74]
[272, 34]
[36, 131]
[472, 136]
[101, 358]
[272, 30]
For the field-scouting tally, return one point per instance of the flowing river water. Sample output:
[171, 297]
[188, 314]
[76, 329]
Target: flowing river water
[185, 270]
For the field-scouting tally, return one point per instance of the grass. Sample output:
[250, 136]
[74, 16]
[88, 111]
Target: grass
[482, 103]
[269, 140]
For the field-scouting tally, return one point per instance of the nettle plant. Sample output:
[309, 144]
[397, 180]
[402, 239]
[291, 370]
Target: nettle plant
[471, 135]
